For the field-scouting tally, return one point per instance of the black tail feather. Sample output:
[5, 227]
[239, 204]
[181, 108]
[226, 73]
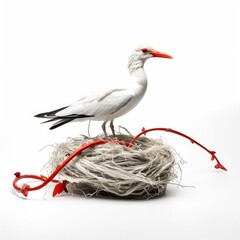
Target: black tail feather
[49, 114]
[51, 120]
[60, 123]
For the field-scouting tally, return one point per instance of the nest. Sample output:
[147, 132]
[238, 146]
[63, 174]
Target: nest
[113, 170]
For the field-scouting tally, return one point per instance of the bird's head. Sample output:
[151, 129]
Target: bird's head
[144, 52]
[141, 54]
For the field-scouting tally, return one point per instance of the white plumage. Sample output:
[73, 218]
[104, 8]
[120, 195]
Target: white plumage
[107, 105]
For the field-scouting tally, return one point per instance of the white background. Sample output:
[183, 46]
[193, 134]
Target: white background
[53, 51]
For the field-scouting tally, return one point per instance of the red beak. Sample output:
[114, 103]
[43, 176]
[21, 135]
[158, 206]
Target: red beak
[160, 54]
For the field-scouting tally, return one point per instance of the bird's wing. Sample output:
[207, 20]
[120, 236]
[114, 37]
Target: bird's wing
[98, 105]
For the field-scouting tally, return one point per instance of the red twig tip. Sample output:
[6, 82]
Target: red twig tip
[59, 188]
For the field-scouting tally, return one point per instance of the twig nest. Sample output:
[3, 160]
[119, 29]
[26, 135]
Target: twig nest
[113, 170]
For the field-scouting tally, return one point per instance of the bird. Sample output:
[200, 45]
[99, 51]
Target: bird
[112, 103]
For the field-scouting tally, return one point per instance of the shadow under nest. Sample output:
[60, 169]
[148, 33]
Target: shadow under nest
[141, 171]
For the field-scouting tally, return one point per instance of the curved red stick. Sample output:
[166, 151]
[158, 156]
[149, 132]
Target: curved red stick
[26, 188]
[61, 186]
[218, 165]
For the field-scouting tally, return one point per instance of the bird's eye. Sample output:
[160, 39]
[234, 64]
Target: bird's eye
[144, 50]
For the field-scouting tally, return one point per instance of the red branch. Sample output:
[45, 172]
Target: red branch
[61, 186]
[212, 153]
[26, 188]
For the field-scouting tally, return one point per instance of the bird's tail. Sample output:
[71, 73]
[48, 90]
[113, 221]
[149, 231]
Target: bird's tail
[50, 114]
[52, 117]
[60, 122]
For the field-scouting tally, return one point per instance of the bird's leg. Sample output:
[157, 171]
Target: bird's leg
[112, 128]
[104, 129]
[89, 122]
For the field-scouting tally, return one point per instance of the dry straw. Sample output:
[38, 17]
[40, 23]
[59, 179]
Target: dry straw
[113, 170]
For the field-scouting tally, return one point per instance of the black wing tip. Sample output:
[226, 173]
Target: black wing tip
[49, 114]
[64, 120]
[53, 127]
[40, 115]
[60, 123]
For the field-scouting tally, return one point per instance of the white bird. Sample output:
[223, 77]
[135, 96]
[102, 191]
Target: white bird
[107, 105]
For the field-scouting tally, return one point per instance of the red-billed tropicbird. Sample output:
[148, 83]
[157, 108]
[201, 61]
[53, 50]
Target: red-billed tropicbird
[107, 105]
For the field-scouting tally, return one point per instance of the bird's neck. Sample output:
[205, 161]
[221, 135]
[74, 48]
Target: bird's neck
[136, 71]
[139, 77]
[138, 82]
[134, 63]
